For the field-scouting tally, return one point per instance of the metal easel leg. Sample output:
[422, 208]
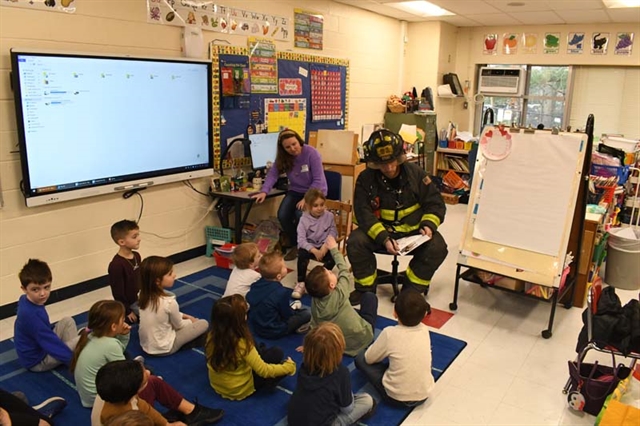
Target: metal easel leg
[454, 305]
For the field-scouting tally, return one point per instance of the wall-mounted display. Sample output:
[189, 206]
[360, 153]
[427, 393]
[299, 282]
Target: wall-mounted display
[624, 44]
[308, 29]
[551, 43]
[599, 43]
[575, 43]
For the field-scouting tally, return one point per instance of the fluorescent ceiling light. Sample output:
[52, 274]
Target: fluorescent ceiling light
[420, 8]
[613, 4]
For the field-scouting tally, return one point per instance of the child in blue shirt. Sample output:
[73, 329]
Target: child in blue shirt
[270, 314]
[39, 345]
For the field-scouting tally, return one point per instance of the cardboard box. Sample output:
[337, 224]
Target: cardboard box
[510, 283]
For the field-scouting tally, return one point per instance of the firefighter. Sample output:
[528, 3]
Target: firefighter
[394, 199]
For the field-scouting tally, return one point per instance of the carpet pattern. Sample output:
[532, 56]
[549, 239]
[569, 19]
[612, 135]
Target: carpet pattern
[186, 370]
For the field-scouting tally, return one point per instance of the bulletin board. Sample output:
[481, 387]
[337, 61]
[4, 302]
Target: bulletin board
[521, 208]
[242, 103]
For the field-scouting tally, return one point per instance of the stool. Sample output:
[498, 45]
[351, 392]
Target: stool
[394, 278]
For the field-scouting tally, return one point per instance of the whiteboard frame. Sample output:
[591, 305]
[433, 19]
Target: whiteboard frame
[513, 262]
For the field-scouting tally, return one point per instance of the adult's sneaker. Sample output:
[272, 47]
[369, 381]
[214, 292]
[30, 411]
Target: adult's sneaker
[50, 407]
[201, 416]
[291, 254]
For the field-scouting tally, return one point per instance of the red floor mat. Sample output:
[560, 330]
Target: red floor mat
[437, 318]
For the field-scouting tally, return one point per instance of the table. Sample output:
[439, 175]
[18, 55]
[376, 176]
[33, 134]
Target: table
[353, 170]
[235, 200]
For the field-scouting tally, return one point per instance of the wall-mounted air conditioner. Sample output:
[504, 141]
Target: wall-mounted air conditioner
[501, 81]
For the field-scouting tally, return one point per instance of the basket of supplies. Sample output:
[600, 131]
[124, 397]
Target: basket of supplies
[395, 104]
[216, 236]
[223, 254]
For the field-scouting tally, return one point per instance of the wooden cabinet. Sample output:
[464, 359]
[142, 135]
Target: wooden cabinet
[425, 121]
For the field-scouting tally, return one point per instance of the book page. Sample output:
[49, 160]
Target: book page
[407, 244]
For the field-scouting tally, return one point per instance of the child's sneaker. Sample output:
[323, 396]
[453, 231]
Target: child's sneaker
[201, 416]
[140, 359]
[303, 328]
[298, 291]
[51, 406]
[296, 305]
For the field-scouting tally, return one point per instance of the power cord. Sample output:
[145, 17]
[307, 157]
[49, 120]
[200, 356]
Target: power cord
[190, 185]
[209, 210]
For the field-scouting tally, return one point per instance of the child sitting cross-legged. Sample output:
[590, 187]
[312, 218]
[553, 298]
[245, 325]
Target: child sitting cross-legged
[323, 393]
[163, 328]
[118, 384]
[330, 302]
[41, 346]
[245, 258]
[398, 363]
[237, 368]
[271, 314]
[315, 225]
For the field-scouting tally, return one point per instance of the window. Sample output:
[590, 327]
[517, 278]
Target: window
[545, 100]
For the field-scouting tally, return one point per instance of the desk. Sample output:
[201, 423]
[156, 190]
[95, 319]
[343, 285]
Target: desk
[235, 200]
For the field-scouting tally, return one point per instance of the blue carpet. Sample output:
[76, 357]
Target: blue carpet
[186, 370]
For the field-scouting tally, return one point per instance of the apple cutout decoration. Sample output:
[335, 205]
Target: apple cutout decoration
[490, 43]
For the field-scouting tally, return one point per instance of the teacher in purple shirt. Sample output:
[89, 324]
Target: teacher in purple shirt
[303, 166]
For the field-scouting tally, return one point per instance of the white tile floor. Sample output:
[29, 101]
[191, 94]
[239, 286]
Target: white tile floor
[507, 375]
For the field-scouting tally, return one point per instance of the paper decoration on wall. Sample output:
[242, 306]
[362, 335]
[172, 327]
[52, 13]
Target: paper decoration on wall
[575, 43]
[529, 43]
[290, 87]
[490, 44]
[551, 43]
[283, 114]
[308, 29]
[510, 43]
[215, 17]
[624, 44]
[67, 6]
[326, 96]
[263, 65]
[495, 143]
[599, 43]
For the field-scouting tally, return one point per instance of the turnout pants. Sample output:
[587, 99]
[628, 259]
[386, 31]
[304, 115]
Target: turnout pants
[424, 262]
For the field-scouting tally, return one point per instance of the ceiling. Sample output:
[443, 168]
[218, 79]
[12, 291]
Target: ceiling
[477, 13]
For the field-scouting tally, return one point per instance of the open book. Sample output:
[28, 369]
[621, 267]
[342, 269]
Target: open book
[407, 244]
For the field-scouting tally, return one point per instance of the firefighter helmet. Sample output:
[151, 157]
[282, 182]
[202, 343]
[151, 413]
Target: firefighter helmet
[382, 147]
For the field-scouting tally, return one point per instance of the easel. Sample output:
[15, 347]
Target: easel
[534, 266]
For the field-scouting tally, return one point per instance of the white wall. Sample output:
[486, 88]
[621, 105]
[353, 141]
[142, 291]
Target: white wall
[73, 237]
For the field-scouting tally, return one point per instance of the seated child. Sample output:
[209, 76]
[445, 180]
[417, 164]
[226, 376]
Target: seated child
[315, 225]
[271, 315]
[245, 258]
[14, 410]
[163, 328]
[323, 393]
[124, 269]
[237, 368]
[406, 378]
[130, 418]
[39, 345]
[118, 384]
[331, 303]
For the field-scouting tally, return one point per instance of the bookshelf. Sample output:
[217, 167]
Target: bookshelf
[447, 159]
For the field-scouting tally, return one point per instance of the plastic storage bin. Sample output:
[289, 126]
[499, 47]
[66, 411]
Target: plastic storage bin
[222, 256]
[216, 236]
[622, 270]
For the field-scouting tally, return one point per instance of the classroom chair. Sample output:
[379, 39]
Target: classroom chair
[343, 215]
[334, 185]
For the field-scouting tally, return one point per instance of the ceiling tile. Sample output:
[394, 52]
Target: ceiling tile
[575, 4]
[583, 16]
[537, 18]
[460, 21]
[495, 19]
[465, 7]
[529, 5]
[625, 15]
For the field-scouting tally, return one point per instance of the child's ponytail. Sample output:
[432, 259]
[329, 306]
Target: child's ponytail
[228, 327]
[102, 316]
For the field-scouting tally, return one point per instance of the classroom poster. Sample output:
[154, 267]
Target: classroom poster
[490, 44]
[510, 43]
[326, 93]
[599, 43]
[283, 114]
[67, 6]
[290, 87]
[211, 16]
[575, 43]
[263, 65]
[308, 29]
[551, 43]
[624, 44]
[530, 43]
